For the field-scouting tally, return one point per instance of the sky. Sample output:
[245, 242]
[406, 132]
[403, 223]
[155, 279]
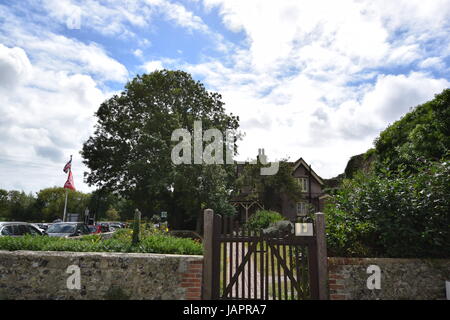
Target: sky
[314, 79]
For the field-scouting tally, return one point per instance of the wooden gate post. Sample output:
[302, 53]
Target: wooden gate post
[322, 260]
[211, 255]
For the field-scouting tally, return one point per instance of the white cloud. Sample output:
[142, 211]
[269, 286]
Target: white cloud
[339, 37]
[52, 51]
[179, 14]
[44, 120]
[14, 66]
[114, 18]
[138, 53]
[57, 53]
[433, 63]
[151, 66]
[107, 17]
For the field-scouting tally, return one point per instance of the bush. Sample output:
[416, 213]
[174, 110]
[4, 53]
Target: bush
[392, 215]
[262, 219]
[156, 243]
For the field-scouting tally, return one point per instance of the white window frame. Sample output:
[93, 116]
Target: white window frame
[303, 183]
[303, 208]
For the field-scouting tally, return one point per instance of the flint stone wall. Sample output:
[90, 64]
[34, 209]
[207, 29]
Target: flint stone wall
[401, 279]
[43, 275]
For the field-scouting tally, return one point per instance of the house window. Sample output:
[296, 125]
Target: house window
[302, 208]
[303, 183]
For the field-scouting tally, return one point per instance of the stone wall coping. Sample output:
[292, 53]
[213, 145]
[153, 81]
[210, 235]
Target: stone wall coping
[335, 261]
[99, 254]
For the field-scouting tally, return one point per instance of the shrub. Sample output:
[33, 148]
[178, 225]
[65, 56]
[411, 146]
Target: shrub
[392, 215]
[157, 243]
[262, 219]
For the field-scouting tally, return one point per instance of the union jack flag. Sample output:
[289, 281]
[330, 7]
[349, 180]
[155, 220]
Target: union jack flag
[68, 166]
[69, 183]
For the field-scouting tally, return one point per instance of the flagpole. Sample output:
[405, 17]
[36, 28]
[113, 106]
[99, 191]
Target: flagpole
[65, 206]
[68, 184]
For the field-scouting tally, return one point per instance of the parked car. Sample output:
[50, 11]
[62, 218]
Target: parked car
[68, 229]
[43, 226]
[93, 229]
[38, 226]
[19, 229]
[114, 225]
[104, 227]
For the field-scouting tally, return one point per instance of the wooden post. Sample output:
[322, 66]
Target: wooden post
[322, 263]
[211, 255]
[136, 227]
[208, 233]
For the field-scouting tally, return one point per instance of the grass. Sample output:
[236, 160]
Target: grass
[157, 242]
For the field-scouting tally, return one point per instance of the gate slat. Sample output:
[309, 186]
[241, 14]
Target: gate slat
[261, 268]
[266, 282]
[272, 264]
[224, 267]
[255, 272]
[291, 267]
[278, 272]
[229, 295]
[236, 284]
[249, 270]
[242, 259]
[285, 274]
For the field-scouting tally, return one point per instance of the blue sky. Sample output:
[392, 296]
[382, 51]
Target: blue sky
[312, 79]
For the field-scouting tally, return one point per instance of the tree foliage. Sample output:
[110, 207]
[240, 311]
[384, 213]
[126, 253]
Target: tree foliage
[51, 202]
[130, 151]
[423, 133]
[263, 219]
[392, 215]
[269, 188]
[48, 205]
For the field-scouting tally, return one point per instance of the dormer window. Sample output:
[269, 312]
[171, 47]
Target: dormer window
[303, 183]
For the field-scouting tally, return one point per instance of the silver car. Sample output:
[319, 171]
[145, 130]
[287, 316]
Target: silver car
[68, 229]
[18, 229]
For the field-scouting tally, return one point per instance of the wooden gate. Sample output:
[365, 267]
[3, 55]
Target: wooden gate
[242, 264]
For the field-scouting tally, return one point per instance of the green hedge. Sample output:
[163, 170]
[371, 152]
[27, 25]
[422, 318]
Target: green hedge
[262, 219]
[392, 215]
[157, 243]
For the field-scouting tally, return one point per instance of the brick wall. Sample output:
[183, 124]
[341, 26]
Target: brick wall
[400, 279]
[192, 280]
[336, 286]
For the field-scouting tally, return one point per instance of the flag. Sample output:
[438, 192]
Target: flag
[69, 183]
[68, 165]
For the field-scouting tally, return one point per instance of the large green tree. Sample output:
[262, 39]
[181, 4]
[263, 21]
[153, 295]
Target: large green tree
[422, 134]
[20, 206]
[4, 209]
[130, 151]
[51, 202]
